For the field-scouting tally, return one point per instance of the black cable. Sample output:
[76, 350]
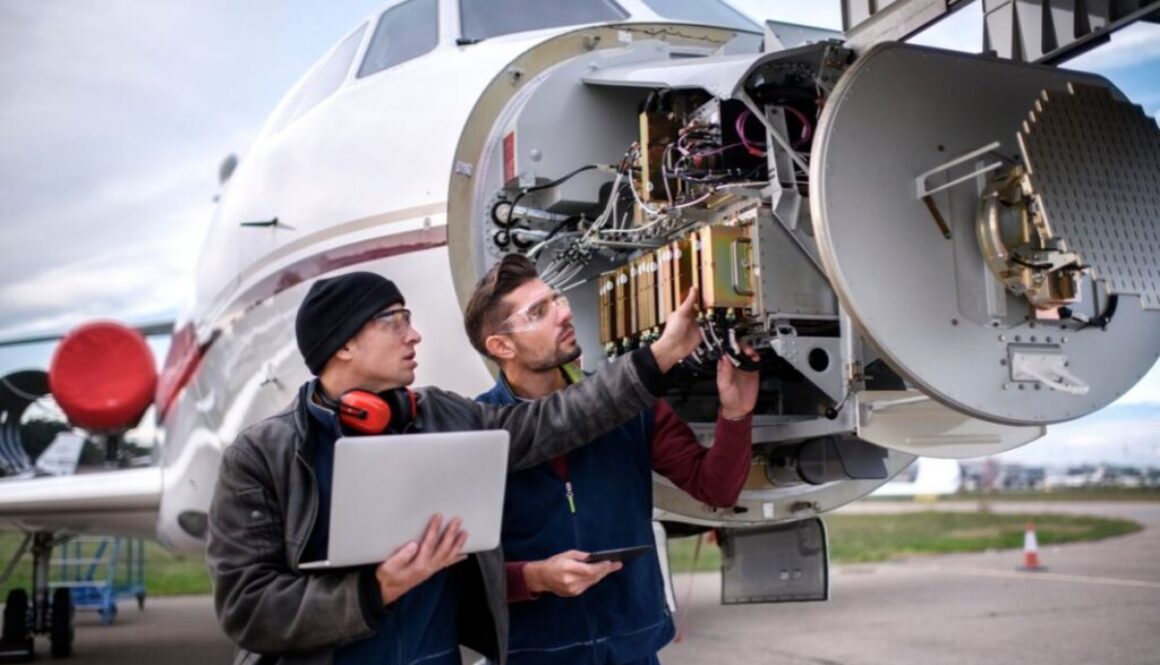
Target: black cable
[554, 183]
[1101, 321]
[1027, 264]
[1104, 319]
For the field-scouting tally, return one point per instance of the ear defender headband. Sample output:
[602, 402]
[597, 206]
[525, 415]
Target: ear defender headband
[389, 412]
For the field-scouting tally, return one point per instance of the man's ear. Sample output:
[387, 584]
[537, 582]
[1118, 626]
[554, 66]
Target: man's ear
[346, 351]
[500, 347]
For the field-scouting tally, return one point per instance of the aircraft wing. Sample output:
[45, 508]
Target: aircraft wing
[121, 502]
[1028, 30]
[146, 329]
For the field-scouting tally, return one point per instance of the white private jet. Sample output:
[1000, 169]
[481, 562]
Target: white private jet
[927, 478]
[937, 253]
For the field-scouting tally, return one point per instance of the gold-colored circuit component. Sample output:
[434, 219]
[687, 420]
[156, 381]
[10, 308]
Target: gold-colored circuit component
[666, 275]
[646, 292]
[725, 274]
[657, 131]
[607, 292]
[637, 298]
[623, 322]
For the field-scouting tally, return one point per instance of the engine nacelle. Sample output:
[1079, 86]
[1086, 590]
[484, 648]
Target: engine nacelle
[103, 376]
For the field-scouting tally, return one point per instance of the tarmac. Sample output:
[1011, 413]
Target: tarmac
[1097, 603]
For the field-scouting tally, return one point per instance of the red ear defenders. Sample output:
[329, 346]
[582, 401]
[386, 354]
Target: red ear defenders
[364, 412]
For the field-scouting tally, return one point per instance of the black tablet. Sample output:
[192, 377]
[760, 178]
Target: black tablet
[620, 554]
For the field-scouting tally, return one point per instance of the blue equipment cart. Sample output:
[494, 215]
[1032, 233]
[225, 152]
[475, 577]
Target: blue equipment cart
[101, 570]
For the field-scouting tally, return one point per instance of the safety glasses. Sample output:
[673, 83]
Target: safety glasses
[533, 315]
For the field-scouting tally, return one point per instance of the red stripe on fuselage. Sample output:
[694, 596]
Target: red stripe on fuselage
[300, 271]
[337, 258]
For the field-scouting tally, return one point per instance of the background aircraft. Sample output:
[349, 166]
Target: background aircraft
[860, 210]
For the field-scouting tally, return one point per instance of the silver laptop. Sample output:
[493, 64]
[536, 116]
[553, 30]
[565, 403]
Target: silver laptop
[386, 488]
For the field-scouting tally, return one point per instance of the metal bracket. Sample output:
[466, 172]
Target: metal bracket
[1048, 366]
[926, 190]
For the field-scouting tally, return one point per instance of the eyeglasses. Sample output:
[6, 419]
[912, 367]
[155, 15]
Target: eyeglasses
[397, 321]
[534, 314]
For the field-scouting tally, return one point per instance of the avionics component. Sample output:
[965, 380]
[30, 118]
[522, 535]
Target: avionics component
[725, 275]
[635, 299]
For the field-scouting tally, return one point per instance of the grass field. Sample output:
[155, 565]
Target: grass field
[166, 574]
[865, 538]
[1068, 494]
[853, 538]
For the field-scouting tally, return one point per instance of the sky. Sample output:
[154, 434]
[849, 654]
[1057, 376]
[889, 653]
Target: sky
[115, 114]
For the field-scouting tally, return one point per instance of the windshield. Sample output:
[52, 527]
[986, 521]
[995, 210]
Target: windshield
[482, 19]
[710, 12]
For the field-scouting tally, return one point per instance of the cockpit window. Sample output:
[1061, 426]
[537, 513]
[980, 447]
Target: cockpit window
[327, 77]
[481, 19]
[404, 32]
[710, 12]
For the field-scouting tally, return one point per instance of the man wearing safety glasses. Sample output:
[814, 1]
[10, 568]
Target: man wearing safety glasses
[563, 608]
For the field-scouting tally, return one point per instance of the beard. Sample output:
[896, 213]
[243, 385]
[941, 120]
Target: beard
[553, 358]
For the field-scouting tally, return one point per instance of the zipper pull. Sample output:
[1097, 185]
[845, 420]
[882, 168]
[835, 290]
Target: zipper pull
[568, 493]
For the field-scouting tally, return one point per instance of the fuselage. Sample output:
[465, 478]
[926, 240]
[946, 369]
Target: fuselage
[359, 180]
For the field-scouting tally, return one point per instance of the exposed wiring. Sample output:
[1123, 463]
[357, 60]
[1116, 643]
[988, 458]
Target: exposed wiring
[752, 147]
[535, 251]
[807, 128]
[558, 181]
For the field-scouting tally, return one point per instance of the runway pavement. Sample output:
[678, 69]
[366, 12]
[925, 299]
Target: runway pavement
[1098, 603]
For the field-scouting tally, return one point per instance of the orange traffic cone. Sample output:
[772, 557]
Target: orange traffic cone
[1030, 550]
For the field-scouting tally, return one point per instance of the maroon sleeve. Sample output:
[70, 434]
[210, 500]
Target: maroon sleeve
[713, 475]
[517, 586]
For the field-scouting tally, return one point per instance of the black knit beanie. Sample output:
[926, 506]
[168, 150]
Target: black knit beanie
[335, 309]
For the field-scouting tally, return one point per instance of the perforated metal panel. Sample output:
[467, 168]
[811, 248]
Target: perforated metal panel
[1095, 163]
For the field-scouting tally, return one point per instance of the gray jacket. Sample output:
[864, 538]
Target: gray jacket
[266, 501]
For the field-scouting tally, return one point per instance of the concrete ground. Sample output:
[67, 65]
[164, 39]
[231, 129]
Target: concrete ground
[1097, 603]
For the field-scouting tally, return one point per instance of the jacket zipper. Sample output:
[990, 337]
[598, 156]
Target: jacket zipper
[571, 497]
[313, 510]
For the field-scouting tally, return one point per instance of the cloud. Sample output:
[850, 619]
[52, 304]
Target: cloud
[1136, 45]
[1118, 434]
[114, 118]
[961, 31]
[821, 14]
[138, 282]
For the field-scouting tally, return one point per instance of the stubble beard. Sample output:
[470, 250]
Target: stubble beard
[556, 358]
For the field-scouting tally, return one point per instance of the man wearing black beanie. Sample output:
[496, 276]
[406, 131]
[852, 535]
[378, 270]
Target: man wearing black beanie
[271, 502]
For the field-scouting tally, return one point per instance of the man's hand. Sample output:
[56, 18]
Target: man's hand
[566, 574]
[681, 335]
[414, 562]
[737, 389]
